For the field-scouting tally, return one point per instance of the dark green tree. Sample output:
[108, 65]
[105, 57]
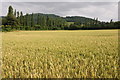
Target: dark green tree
[15, 13]
[18, 14]
[111, 20]
[21, 18]
[11, 19]
[32, 20]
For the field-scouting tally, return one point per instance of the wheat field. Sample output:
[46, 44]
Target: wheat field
[60, 54]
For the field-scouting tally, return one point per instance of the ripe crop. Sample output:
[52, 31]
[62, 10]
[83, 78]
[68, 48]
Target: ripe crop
[60, 54]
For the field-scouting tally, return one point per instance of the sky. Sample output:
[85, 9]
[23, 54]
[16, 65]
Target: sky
[60, 0]
[104, 11]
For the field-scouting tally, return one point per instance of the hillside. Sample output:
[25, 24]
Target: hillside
[79, 19]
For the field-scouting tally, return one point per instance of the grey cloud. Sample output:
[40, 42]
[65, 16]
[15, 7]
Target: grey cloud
[60, 0]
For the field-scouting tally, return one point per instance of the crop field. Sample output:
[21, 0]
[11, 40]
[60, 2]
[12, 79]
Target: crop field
[60, 54]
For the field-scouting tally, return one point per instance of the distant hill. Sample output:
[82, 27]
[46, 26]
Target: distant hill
[50, 15]
[79, 19]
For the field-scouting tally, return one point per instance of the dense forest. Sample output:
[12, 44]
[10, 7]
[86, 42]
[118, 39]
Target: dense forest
[15, 20]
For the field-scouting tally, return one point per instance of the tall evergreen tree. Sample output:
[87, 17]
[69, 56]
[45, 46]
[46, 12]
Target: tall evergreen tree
[38, 19]
[21, 18]
[111, 20]
[11, 19]
[15, 13]
[18, 14]
[32, 20]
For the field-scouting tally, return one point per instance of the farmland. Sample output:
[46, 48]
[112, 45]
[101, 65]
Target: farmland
[60, 54]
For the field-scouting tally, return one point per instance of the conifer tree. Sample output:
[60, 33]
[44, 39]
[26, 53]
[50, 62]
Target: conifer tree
[11, 19]
[15, 13]
[21, 18]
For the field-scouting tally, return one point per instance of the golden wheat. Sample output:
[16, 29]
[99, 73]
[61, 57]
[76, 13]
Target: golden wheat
[60, 54]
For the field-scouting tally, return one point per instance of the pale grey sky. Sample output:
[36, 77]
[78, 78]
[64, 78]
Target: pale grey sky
[103, 10]
[60, 0]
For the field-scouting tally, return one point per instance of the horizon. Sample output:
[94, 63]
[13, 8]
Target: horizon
[63, 9]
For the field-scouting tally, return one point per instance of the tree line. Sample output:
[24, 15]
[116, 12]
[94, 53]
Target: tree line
[15, 20]
[18, 21]
[88, 23]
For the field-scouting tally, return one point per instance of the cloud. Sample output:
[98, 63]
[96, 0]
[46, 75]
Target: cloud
[103, 10]
[60, 0]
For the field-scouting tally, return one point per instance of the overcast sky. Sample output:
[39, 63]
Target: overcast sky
[60, 0]
[103, 10]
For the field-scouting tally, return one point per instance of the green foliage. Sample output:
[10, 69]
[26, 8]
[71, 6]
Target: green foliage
[117, 24]
[74, 27]
[78, 19]
[45, 21]
[21, 18]
[10, 21]
[4, 21]
[18, 15]
[88, 23]
[69, 23]
[15, 13]
[6, 28]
